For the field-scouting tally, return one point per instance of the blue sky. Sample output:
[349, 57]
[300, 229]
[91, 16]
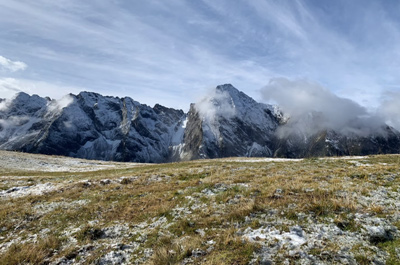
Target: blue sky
[171, 52]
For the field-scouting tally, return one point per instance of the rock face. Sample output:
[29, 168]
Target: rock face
[225, 123]
[230, 123]
[90, 126]
[331, 143]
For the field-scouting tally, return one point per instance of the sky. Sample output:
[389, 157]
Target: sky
[171, 52]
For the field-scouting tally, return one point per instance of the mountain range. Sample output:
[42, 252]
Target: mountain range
[226, 123]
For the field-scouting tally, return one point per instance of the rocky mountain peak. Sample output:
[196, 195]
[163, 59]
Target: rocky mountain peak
[232, 91]
[23, 104]
[226, 122]
[232, 96]
[229, 89]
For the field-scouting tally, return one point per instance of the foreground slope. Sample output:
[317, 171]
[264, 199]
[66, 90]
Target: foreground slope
[229, 211]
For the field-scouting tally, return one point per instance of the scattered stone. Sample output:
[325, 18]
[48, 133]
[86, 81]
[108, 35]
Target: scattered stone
[115, 231]
[44, 208]
[113, 258]
[379, 234]
[105, 181]
[158, 178]
[126, 180]
[198, 253]
[86, 183]
[208, 192]
[187, 261]
[200, 232]
[235, 200]
[266, 262]
[220, 187]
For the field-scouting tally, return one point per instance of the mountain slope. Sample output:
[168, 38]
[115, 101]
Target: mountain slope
[312, 140]
[90, 126]
[226, 123]
[230, 123]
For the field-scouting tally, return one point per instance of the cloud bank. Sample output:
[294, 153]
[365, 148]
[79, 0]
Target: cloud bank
[313, 108]
[389, 109]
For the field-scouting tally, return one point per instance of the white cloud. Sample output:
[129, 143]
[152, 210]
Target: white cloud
[12, 66]
[389, 109]
[215, 102]
[313, 108]
[58, 105]
[170, 49]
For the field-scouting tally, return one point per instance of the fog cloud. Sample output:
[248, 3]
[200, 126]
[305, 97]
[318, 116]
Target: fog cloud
[389, 109]
[57, 105]
[215, 102]
[313, 108]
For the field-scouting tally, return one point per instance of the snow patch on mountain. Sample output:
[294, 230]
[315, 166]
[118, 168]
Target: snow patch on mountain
[225, 123]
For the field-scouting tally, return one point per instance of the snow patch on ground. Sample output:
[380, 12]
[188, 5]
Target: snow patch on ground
[34, 162]
[268, 159]
[22, 191]
[294, 238]
[49, 207]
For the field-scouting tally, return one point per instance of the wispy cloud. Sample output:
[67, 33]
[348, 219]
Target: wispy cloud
[177, 49]
[12, 66]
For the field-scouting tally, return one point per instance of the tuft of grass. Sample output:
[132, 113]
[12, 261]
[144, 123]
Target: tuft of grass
[291, 215]
[362, 259]
[321, 189]
[239, 211]
[183, 227]
[31, 253]
[169, 251]
[232, 250]
[392, 248]
[377, 209]
[346, 224]
[89, 233]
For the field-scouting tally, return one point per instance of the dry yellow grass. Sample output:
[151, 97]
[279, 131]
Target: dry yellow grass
[320, 188]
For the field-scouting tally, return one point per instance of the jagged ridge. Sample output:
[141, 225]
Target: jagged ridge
[225, 123]
[90, 126]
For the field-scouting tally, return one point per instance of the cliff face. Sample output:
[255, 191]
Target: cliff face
[328, 142]
[224, 124]
[89, 126]
[230, 123]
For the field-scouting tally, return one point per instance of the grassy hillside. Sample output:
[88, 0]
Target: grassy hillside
[226, 211]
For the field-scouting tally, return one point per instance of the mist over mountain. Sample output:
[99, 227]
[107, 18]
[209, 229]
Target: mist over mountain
[313, 108]
[308, 121]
